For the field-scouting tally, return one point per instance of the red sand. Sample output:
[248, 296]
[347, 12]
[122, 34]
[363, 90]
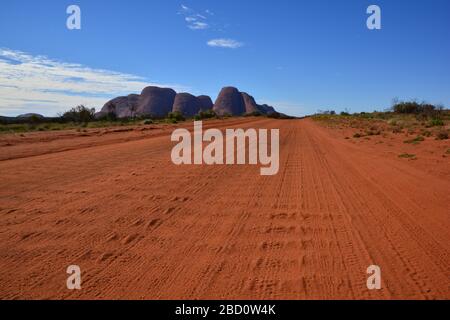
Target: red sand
[141, 227]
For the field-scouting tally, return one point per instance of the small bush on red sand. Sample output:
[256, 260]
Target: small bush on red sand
[397, 130]
[442, 135]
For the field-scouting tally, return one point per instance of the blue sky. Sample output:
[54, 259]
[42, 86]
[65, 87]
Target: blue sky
[300, 56]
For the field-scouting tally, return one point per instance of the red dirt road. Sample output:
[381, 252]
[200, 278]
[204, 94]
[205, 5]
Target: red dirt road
[142, 228]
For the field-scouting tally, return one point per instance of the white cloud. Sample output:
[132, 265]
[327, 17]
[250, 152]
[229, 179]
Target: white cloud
[198, 25]
[195, 21]
[39, 84]
[225, 43]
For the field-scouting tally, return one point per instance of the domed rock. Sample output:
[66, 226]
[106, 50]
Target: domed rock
[30, 115]
[187, 104]
[230, 102]
[155, 101]
[121, 107]
[266, 109]
[205, 103]
[250, 103]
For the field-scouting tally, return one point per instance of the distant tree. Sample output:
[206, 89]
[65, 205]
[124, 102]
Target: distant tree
[176, 116]
[208, 114]
[79, 114]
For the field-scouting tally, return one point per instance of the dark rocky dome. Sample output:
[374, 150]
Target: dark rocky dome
[187, 104]
[205, 103]
[229, 102]
[265, 109]
[122, 107]
[235, 103]
[155, 101]
[30, 115]
[159, 102]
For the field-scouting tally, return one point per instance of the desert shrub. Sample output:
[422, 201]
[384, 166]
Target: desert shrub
[407, 156]
[392, 122]
[435, 123]
[421, 110]
[416, 140]
[147, 121]
[208, 114]
[79, 114]
[373, 132]
[426, 133]
[177, 116]
[171, 120]
[442, 135]
[326, 112]
[274, 115]
[397, 130]
[110, 116]
[253, 114]
[357, 135]
[407, 107]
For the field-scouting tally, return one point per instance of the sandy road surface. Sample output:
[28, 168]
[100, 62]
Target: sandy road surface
[141, 227]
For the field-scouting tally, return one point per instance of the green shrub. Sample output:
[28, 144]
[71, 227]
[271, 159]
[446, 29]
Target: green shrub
[177, 116]
[79, 114]
[412, 107]
[253, 114]
[208, 114]
[435, 123]
[110, 116]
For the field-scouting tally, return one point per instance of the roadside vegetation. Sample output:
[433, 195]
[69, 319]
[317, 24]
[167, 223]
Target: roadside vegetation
[82, 118]
[417, 121]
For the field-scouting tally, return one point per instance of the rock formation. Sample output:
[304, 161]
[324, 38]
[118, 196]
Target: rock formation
[121, 107]
[250, 103]
[205, 103]
[187, 104]
[229, 102]
[235, 103]
[158, 102]
[265, 109]
[30, 115]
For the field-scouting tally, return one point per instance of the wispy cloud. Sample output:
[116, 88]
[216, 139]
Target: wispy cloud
[39, 84]
[194, 20]
[197, 25]
[225, 43]
[201, 21]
